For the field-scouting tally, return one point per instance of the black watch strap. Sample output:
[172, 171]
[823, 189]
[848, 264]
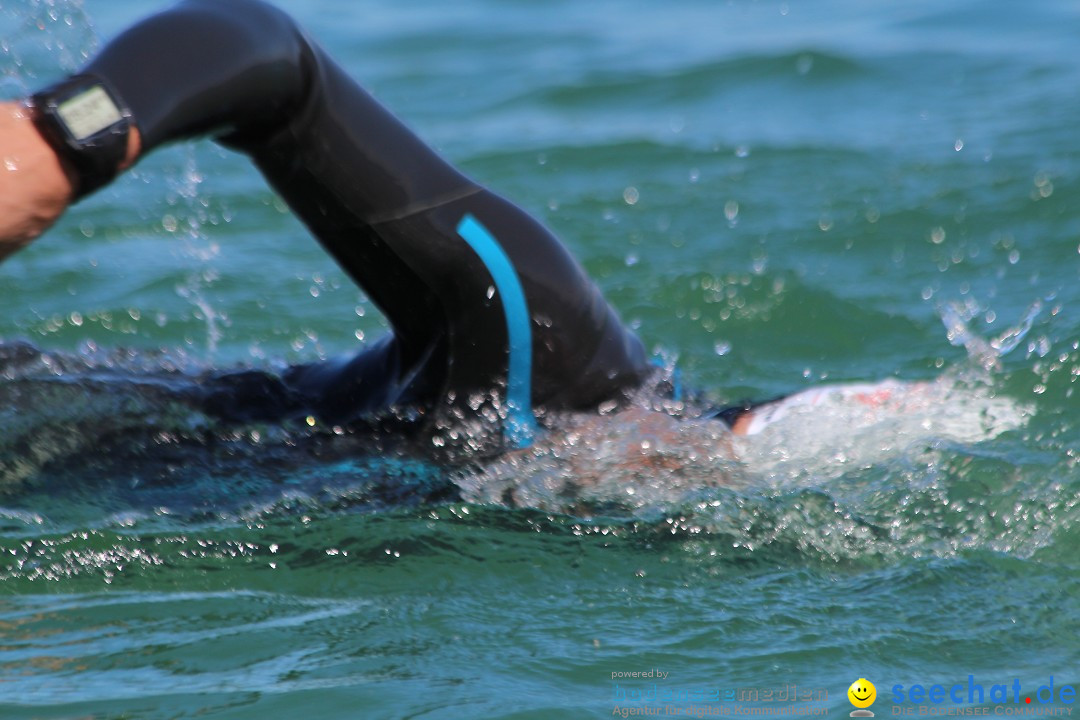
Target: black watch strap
[87, 125]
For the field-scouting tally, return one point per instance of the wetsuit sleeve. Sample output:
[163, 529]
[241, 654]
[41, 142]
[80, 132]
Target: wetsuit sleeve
[479, 294]
[244, 72]
[159, 67]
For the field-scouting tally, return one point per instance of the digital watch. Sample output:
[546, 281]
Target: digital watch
[87, 125]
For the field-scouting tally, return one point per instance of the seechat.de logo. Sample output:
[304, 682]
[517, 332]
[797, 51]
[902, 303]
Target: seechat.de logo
[862, 694]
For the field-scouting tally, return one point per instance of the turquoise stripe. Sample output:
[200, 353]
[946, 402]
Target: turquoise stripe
[520, 423]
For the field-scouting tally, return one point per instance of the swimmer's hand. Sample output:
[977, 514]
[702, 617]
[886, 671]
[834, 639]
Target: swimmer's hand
[34, 188]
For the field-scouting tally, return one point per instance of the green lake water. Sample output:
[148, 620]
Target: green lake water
[774, 194]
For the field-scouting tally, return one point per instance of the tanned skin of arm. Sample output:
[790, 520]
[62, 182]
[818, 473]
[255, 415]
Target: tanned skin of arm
[35, 186]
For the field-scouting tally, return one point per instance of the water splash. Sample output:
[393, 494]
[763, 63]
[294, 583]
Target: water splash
[834, 480]
[41, 36]
[196, 246]
[864, 471]
[987, 354]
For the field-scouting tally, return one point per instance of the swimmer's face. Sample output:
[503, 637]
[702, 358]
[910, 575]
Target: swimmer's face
[862, 693]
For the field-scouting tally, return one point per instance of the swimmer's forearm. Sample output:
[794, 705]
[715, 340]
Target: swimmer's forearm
[34, 189]
[252, 44]
[244, 73]
[35, 186]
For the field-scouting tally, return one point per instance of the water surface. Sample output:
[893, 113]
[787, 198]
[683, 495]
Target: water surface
[774, 194]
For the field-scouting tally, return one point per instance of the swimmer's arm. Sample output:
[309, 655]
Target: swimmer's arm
[35, 187]
[192, 46]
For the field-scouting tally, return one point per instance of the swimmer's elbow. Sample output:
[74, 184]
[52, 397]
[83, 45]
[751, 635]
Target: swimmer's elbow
[217, 67]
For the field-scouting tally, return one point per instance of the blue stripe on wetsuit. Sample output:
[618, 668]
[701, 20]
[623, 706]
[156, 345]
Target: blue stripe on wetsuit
[520, 423]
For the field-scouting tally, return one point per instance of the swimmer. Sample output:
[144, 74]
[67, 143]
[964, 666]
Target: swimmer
[491, 317]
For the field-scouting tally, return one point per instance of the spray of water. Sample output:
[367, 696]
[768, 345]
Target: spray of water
[197, 247]
[38, 38]
[985, 353]
[662, 453]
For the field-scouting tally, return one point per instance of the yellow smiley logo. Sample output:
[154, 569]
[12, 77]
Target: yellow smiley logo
[862, 693]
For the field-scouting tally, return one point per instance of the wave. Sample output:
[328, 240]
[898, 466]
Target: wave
[687, 82]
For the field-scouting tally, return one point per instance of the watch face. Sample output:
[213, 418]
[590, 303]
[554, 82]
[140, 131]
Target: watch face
[88, 113]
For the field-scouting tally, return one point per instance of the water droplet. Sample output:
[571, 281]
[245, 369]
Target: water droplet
[731, 210]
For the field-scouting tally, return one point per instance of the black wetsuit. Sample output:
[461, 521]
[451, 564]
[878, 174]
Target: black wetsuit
[487, 308]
